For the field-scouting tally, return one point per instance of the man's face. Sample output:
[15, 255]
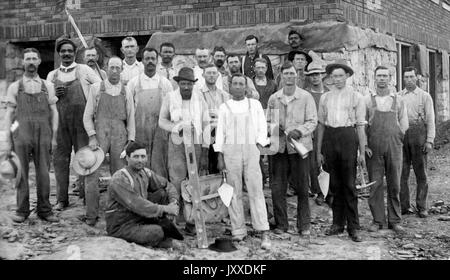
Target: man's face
[129, 48]
[294, 41]
[90, 57]
[186, 88]
[202, 57]
[137, 159]
[260, 69]
[289, 76]
[114, 70]
[31, 62]
[234, 64]
[67, 54]
[167, 54]
[300, 62]
[238, 87]
[219, 58]
[382, 78]
[339, 77]
[316, 79]
[410, 79]
[251, 46]
[211, 74]
[150, 59]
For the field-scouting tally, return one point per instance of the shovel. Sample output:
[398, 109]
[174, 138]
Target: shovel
[363, 180]
[225, 191]
[324, 181]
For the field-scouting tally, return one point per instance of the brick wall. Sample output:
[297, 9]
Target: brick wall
[415, 21]
[20, 20]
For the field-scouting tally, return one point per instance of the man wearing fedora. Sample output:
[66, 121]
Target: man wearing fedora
[141, 203]
[341, 110]
[316, 88]
[33, 102]
[149, 90]
[109, 123]
[72, 82]
[387, 123]
[241, 131]
[182, 110]
[291, 114]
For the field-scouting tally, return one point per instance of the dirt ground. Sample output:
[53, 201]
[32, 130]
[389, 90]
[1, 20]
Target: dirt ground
[72, 239]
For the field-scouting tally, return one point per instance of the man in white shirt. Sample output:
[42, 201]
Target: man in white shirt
[131, 67]
[149, 90]
[203, 58]
[72, 82]
[241, 132]
[109, 123]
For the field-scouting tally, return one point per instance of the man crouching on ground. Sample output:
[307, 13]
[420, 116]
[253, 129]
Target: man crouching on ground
[139, 203]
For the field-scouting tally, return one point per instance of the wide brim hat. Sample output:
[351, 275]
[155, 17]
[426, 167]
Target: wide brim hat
[14, 162]
[339, 64]
[186, 74]
[222, 245]
[292, 54]
[169, 229]
[315, 68]
[86, 160]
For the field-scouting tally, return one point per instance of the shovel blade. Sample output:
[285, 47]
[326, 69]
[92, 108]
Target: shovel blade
[226, 193]
[324, 182]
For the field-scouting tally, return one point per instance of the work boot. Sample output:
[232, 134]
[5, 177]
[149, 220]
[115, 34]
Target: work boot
[50, 218]
[374, 227]
[398, 229]
[423, 214]
[265, 241]
[60, 206]
[355, 236]
[334, 230]
[408, 211]
[91, 222]
[166, 243]
[279, 231]
[18, 218]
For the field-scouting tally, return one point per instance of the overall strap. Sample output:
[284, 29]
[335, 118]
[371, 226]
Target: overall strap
[394, 103]
[374, 102]
[125, 171]
[21, 88]
[123, 90]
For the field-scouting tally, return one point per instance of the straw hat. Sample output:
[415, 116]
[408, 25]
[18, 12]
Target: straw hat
[10, 167]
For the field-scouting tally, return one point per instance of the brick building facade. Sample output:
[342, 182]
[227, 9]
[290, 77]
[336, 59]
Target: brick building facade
[418, 27]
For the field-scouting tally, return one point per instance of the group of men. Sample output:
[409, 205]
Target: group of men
[147, 109]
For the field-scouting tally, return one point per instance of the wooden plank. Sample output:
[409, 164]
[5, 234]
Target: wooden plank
[194, 181]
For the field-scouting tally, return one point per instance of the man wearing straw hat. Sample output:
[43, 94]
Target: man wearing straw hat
[109, 123]
[340, 111]
[33, 102]
[316, 88]
[291, 114]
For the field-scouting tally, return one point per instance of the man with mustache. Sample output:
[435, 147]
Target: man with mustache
[109, 123]
[91, 59]
[203, 57]
[219, 57]
[131, 67]
[166, 68]
[234, 65]
[72, 82]
[149, 90]
[248, 62]
[32, 101]
[140, 203]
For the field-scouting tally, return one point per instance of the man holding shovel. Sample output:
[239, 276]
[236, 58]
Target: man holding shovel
[241, 132]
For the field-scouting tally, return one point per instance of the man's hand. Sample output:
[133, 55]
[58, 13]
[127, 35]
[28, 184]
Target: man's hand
[427, 147]
[93, 143]
[295, 134]
[259, 146]
[280, 130]
[362, 161]
[60, 91]
[171, 209]
[369, 152]
[320, 159]
[221, 163]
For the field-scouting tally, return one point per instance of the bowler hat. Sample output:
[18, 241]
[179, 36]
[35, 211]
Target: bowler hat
[222, 245]
[315, 68]
[86, 160]
[10, 167]
[341, 63]
[187, 74]
[63, 41]
[292, 54]
[169, 229]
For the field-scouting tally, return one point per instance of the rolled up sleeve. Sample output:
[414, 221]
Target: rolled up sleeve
[220, 133]
[52, 99]
[430, 119]
[11, 95]
[88, 116]
[360, 110]
[131, 125]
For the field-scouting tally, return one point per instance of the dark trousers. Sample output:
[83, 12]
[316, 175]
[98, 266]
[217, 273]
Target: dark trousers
[415, 138]
[212, 161]
[340, 152]
[314, 173]
[284, 165]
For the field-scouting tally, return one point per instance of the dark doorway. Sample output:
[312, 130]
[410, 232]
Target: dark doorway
[47, 51]
[115, 43]
[432, 79]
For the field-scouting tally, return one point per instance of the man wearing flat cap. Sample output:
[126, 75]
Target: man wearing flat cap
[341, 110]
[72, 82]
[181, 110]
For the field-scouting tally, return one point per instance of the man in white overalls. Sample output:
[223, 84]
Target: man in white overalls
[149, 89]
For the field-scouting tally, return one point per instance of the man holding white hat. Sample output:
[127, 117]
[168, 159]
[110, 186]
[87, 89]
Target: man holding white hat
[109, 123]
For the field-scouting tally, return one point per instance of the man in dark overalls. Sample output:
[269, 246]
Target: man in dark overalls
[418, 143]
[109, 123]
[72, 83]
[387, 123]
[32, 101]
